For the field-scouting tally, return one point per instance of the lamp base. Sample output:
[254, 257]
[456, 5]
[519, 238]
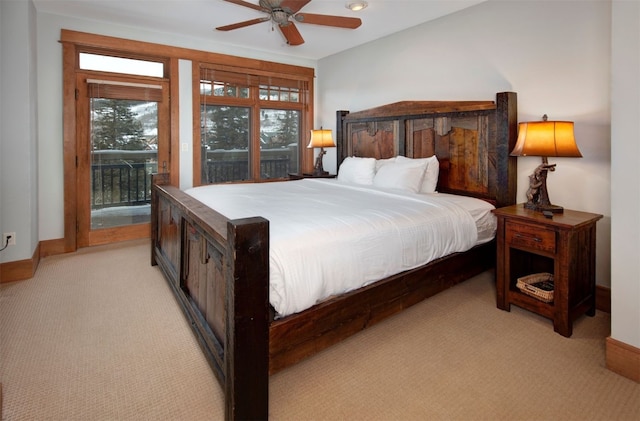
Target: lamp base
[544, 208]
[318, 170]
[319, 173]
[538, 198]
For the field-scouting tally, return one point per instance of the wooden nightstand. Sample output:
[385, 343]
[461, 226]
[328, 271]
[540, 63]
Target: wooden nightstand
[564, 246]
[298, 176]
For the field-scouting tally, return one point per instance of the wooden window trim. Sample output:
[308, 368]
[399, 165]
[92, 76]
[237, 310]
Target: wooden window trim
[74, 42]
[253, 80]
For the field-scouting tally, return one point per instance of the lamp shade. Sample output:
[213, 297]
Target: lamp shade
[321, 139]
[546, 138]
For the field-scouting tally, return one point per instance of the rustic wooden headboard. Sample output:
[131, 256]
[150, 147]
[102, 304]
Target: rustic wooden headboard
[472, 140]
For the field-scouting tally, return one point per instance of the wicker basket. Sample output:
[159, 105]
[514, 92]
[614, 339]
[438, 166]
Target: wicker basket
[526, 285]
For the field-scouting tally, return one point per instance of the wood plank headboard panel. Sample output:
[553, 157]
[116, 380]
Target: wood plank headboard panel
[472, 140]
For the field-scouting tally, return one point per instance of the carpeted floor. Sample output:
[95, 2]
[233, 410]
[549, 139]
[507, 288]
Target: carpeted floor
[97, 335]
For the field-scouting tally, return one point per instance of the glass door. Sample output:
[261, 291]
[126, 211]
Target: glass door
[122, 140]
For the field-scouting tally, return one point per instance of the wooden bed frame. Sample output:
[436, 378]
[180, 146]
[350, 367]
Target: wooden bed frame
[219, 268]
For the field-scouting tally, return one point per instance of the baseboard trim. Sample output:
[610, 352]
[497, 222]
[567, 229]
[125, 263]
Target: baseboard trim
[20, 269]
[603, 299]
[623, 359]
[52, 247]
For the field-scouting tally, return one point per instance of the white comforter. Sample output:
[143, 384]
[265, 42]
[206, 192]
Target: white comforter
[328, 237]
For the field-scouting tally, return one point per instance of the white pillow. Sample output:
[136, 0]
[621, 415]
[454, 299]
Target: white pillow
[382, 162]
[357, 170]
[401, 175]
[430, 179]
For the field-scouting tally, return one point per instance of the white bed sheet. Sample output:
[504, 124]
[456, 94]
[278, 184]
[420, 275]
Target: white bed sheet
[481, 212]
[365, 233]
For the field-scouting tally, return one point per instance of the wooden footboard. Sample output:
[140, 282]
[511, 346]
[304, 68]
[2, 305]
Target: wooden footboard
[218, 270]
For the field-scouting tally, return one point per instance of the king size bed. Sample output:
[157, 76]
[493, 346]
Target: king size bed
[229, 254]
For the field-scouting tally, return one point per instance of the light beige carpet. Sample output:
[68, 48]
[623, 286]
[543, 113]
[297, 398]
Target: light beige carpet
[97, 335]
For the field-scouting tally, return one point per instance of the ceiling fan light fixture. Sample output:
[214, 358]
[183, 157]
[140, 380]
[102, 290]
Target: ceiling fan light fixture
[356, 5]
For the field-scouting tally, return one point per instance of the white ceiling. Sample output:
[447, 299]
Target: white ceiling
[198, 18]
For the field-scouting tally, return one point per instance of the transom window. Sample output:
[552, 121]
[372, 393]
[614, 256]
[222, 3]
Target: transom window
[106, 63]
[279, 93]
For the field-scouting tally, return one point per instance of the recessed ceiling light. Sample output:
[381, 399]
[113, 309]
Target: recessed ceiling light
[356, 5]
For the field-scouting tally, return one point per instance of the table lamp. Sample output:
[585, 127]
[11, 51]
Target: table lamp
[320, 139]
[544, 138]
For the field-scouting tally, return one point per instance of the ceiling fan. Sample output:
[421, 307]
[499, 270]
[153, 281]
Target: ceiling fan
[285, 14]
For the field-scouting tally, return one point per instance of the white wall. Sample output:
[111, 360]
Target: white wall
[18, 129]
[625, 173]
[555, 55]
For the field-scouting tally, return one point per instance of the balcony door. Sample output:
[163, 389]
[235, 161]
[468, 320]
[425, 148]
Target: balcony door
[122, 138]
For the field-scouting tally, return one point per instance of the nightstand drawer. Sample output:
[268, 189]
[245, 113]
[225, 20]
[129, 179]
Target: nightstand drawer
[531, 236]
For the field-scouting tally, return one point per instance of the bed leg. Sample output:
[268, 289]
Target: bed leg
[247, 347]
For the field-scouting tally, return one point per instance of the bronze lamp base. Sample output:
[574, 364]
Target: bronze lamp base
[537, 195]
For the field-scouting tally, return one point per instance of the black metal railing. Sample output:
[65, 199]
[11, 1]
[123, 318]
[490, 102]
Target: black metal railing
[121, 184]
[225, 171]
[123, 178]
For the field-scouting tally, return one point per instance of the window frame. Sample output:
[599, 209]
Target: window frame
[255, 79]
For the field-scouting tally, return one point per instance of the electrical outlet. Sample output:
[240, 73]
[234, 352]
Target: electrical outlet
[12, 239]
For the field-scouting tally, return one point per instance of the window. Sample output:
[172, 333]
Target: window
[105, 63]
[251, 125]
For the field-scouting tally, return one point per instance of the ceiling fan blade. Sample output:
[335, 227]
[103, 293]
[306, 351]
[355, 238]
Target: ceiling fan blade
[291, 33]
[246, 4]
[328, 20]
[293, 5]
[242, 24]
